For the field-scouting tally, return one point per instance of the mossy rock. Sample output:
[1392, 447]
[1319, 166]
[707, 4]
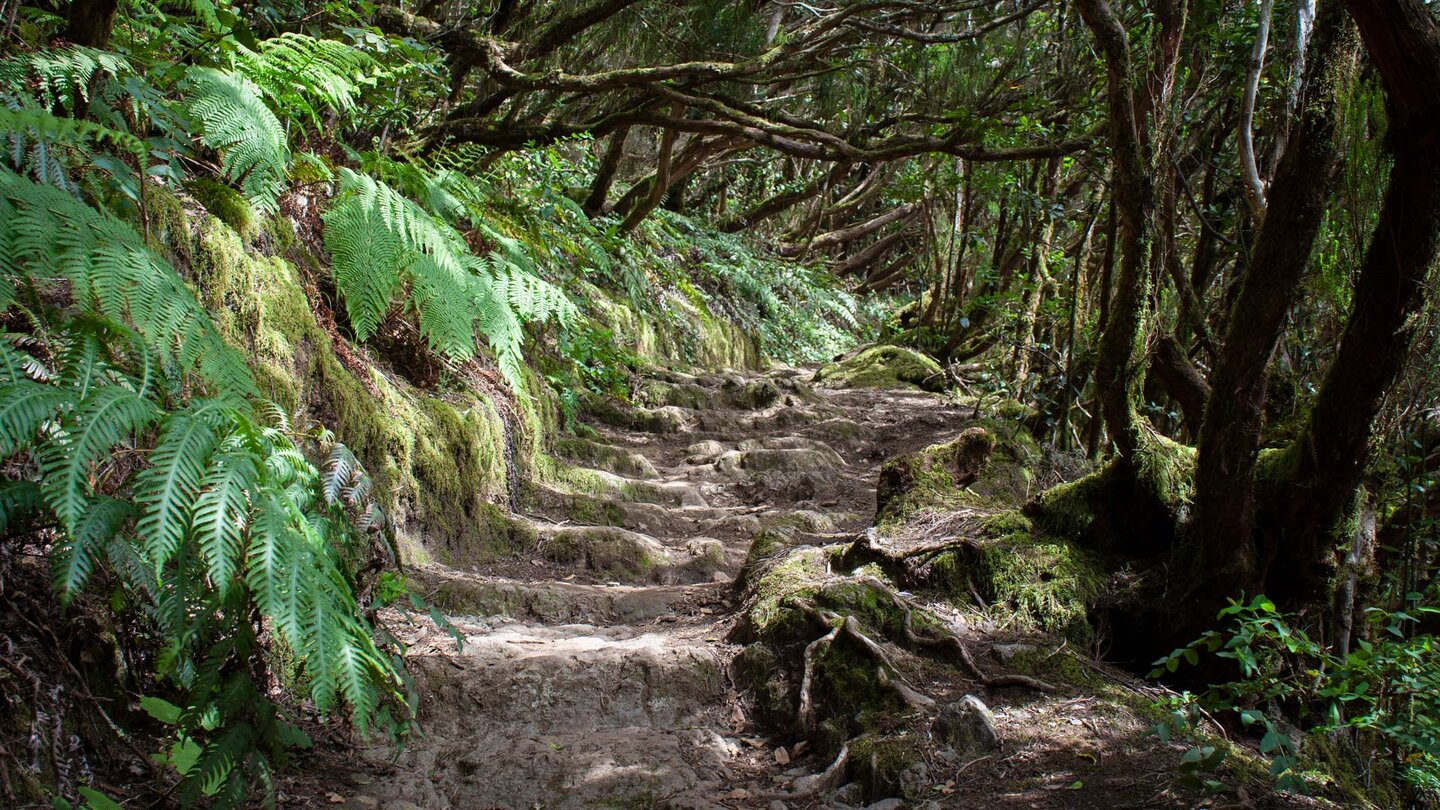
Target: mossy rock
[225, 204]
[606, 457]
[613, 412]
[884, 367]
[608, 551]
[880, 763]
[726, 395]
[928, 477]
[1047, 584]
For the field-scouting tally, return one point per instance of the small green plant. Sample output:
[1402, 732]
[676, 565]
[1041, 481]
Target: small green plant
[1387, 687]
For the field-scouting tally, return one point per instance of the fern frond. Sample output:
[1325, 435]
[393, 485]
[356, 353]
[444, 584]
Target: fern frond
[253, 148]
[340, 470]
[60, 77]
[46, 233]
[74, 558]
[18, 499]
[25, 405]
[222, 516]
[167, 489]
[41, 126]
[305, 76]
[442, 297]
[111, 415]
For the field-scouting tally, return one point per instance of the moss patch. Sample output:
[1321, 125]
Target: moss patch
[438, 461]
[1045, 584]
[884, 367]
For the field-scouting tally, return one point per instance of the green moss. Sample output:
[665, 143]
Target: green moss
[439, 464]
[879, 760]
[1167, 468]
[225, 204]
[884, 367]
[1067, 511]
[1045, 585]
[799, 575]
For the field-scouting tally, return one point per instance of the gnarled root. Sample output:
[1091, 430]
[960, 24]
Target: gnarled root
[952, 642]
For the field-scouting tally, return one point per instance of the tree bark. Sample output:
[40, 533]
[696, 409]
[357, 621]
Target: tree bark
[90, 22]
[594, 203]
[1120, 371]
[1224, 510]
[1402, 38]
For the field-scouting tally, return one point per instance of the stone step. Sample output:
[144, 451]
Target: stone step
[533, 679]
[640, 766]
[559, 602]
[622, 555]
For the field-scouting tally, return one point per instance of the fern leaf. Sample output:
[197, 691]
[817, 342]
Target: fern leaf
[252, 142]
[270, 554]
[168, 488]
[25, 406]
[340, 469]
[222, 516]
[18, 499]
[106, 418]
[73, 560]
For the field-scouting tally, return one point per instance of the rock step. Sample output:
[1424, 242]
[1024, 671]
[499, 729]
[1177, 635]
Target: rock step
[640, 766]
[558, 602]
[609, 486]
[622, 555]
[532, 679]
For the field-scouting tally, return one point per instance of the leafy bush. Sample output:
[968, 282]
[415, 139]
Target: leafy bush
[135, 429]
[1387, 688]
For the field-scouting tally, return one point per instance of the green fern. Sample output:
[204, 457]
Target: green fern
[383, 242]
[75, 557]
[303, 76]
[46, 233]
[168, 488]
[254, 150]
[222, 514]
[59, 78]
[207, 508]
[98, 425]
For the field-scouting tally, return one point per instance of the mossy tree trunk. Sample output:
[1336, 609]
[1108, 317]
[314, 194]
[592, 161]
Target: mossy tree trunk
[1133, 108]
[1230, 433]
[1299, 523]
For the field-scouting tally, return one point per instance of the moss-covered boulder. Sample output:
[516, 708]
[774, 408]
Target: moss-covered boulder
[884, 367]
[932, 473]
[1046, 584]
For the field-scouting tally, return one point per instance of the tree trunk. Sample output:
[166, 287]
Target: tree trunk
[1403, 40]
[1230, 434]
[1120, 372]
[605, 176]
[90, 22]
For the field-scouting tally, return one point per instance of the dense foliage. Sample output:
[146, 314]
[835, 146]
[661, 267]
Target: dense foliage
[1194, 241]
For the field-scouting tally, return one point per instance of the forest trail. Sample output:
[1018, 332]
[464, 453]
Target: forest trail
[595, 669]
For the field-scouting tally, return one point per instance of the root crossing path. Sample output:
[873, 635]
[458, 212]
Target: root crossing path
[593, 670]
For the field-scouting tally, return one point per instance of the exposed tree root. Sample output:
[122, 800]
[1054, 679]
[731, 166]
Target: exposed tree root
[807, 786]
[953, 642]
[888, 674]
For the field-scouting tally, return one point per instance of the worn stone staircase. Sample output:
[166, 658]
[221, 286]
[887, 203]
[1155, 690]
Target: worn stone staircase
[592, 669]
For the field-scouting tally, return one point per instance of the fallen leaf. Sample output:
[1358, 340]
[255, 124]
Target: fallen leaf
[335, 798]
[1076, 785]
[782, 757]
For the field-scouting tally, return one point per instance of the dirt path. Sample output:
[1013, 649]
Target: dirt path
[594, 670]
